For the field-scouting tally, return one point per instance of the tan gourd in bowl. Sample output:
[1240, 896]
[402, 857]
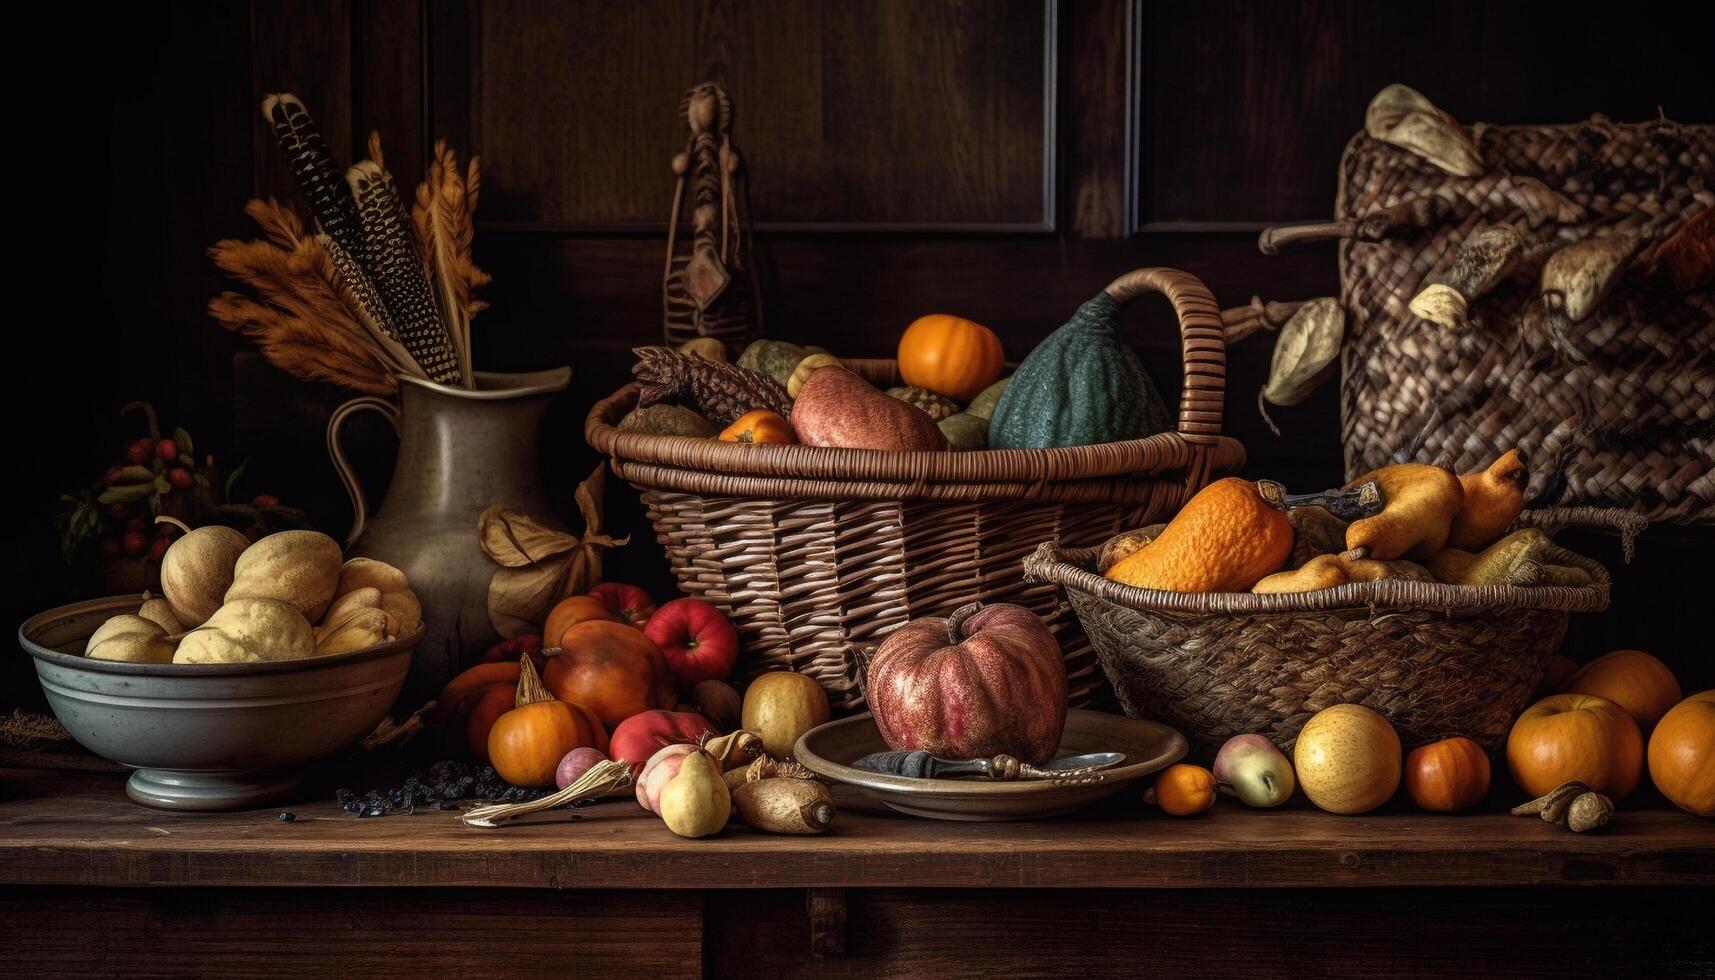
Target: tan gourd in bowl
[197, 571]
[301, 568]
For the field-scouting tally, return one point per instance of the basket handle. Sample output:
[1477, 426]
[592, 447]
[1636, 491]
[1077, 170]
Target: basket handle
[1202, 341]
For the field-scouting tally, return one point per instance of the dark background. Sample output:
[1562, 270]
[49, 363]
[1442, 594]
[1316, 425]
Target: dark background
[999, 160]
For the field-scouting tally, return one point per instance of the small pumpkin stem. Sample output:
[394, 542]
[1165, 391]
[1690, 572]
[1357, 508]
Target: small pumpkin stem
[181, 525]
[956, 622]
[818, 815]
[530, 687]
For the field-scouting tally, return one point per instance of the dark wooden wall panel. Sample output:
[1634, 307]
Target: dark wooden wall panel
[1245, 107]
[891, 113]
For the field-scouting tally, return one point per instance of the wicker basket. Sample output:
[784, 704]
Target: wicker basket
[813, 551]
[1628, 429]
[1436, 660]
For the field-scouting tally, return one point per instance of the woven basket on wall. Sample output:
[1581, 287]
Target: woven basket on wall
[1629, 430]
[813, 551]
[1435, 660]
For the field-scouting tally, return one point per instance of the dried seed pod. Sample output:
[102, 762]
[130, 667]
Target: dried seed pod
[1305, 351]
[1589, 811]
[1576, 279]
[1441, 304]
[1560, 796]
[1401, 116]
[1485, 259]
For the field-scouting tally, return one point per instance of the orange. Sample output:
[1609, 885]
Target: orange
[1185, 789]
[1682, 754]
[1632, 679]
[1225, 539]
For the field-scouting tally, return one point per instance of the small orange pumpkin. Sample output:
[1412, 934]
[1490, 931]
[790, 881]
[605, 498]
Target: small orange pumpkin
[1447, 776]
[1183, 790]
[571, 611]
[760, 426]
[1632, 679]
[1576, 736]
[526, 744]
[1682, 754]
[950, 356]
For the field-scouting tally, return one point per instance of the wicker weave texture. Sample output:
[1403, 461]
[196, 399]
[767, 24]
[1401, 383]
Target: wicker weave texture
[816, 553]
[1631, 427]
[811, 584]
[1435, 660]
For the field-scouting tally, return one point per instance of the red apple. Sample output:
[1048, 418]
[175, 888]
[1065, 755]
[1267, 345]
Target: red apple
[631, 604]
[637, 738]
[699, 642]
[988, 680]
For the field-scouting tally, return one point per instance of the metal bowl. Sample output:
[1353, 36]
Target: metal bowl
[209, 736]
[829, 750]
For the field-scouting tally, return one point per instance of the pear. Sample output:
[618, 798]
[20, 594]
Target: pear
[1255, 771]
[696, 802]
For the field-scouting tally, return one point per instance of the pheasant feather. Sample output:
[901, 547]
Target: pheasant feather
[442, 217]
[391, 259]
[313, 167]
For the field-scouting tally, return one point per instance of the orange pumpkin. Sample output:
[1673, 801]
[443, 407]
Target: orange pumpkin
[760, 426]
[1576, 736]
[1682, 754]
[526, 744]
[1447, 776]
[479, 721]
[1183, 790]
[1632, 679]
[612, 670]
[569, 612]
[463, 691]
[950, 356]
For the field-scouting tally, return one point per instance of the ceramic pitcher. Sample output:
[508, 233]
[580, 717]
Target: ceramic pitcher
[459, 452]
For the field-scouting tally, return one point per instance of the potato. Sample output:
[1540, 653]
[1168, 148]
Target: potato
[392, 592]
[297, 567]
[159, 611]
[248, 631]
[197, 571]
[130, 639]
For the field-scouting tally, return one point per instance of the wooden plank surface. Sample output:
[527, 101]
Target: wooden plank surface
[79, 829]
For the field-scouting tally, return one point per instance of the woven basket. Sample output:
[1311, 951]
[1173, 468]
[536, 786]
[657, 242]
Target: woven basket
[1629, 429]
[815, 551]
[1435, 660]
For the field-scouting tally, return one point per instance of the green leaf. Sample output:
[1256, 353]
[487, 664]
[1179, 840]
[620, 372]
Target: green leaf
[163, 485]
[125, 494]
[232, 480]
[135, 474]
[183, 438]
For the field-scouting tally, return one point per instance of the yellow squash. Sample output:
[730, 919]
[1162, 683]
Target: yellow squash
[1225, 539]
[1422, 501]
[1493, 499]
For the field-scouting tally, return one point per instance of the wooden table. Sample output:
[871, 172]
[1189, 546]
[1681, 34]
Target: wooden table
[611, 892]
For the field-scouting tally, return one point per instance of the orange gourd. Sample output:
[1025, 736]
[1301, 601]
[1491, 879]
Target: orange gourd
[1183, 790]
[760, 426]
[1682, 754]
[950, 356]
[464, 690]
[526, 744]
[1493, 499]
[569, 612]
[1447, 776]
[612, 670]
[1225, 539]
[1576, 736]
[1632, 679]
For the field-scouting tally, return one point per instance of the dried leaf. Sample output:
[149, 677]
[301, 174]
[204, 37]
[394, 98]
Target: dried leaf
[1305, 351]
[1400, 115]
[515, 539]
[541, 566]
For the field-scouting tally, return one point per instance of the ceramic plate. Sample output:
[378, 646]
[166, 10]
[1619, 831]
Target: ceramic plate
[830, 749]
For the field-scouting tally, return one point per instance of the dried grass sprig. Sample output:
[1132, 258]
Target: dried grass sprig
[443, 217]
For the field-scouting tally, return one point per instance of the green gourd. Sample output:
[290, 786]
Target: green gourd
[983, 405]
[965, 431]
[775, 358]
[1079, 387]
